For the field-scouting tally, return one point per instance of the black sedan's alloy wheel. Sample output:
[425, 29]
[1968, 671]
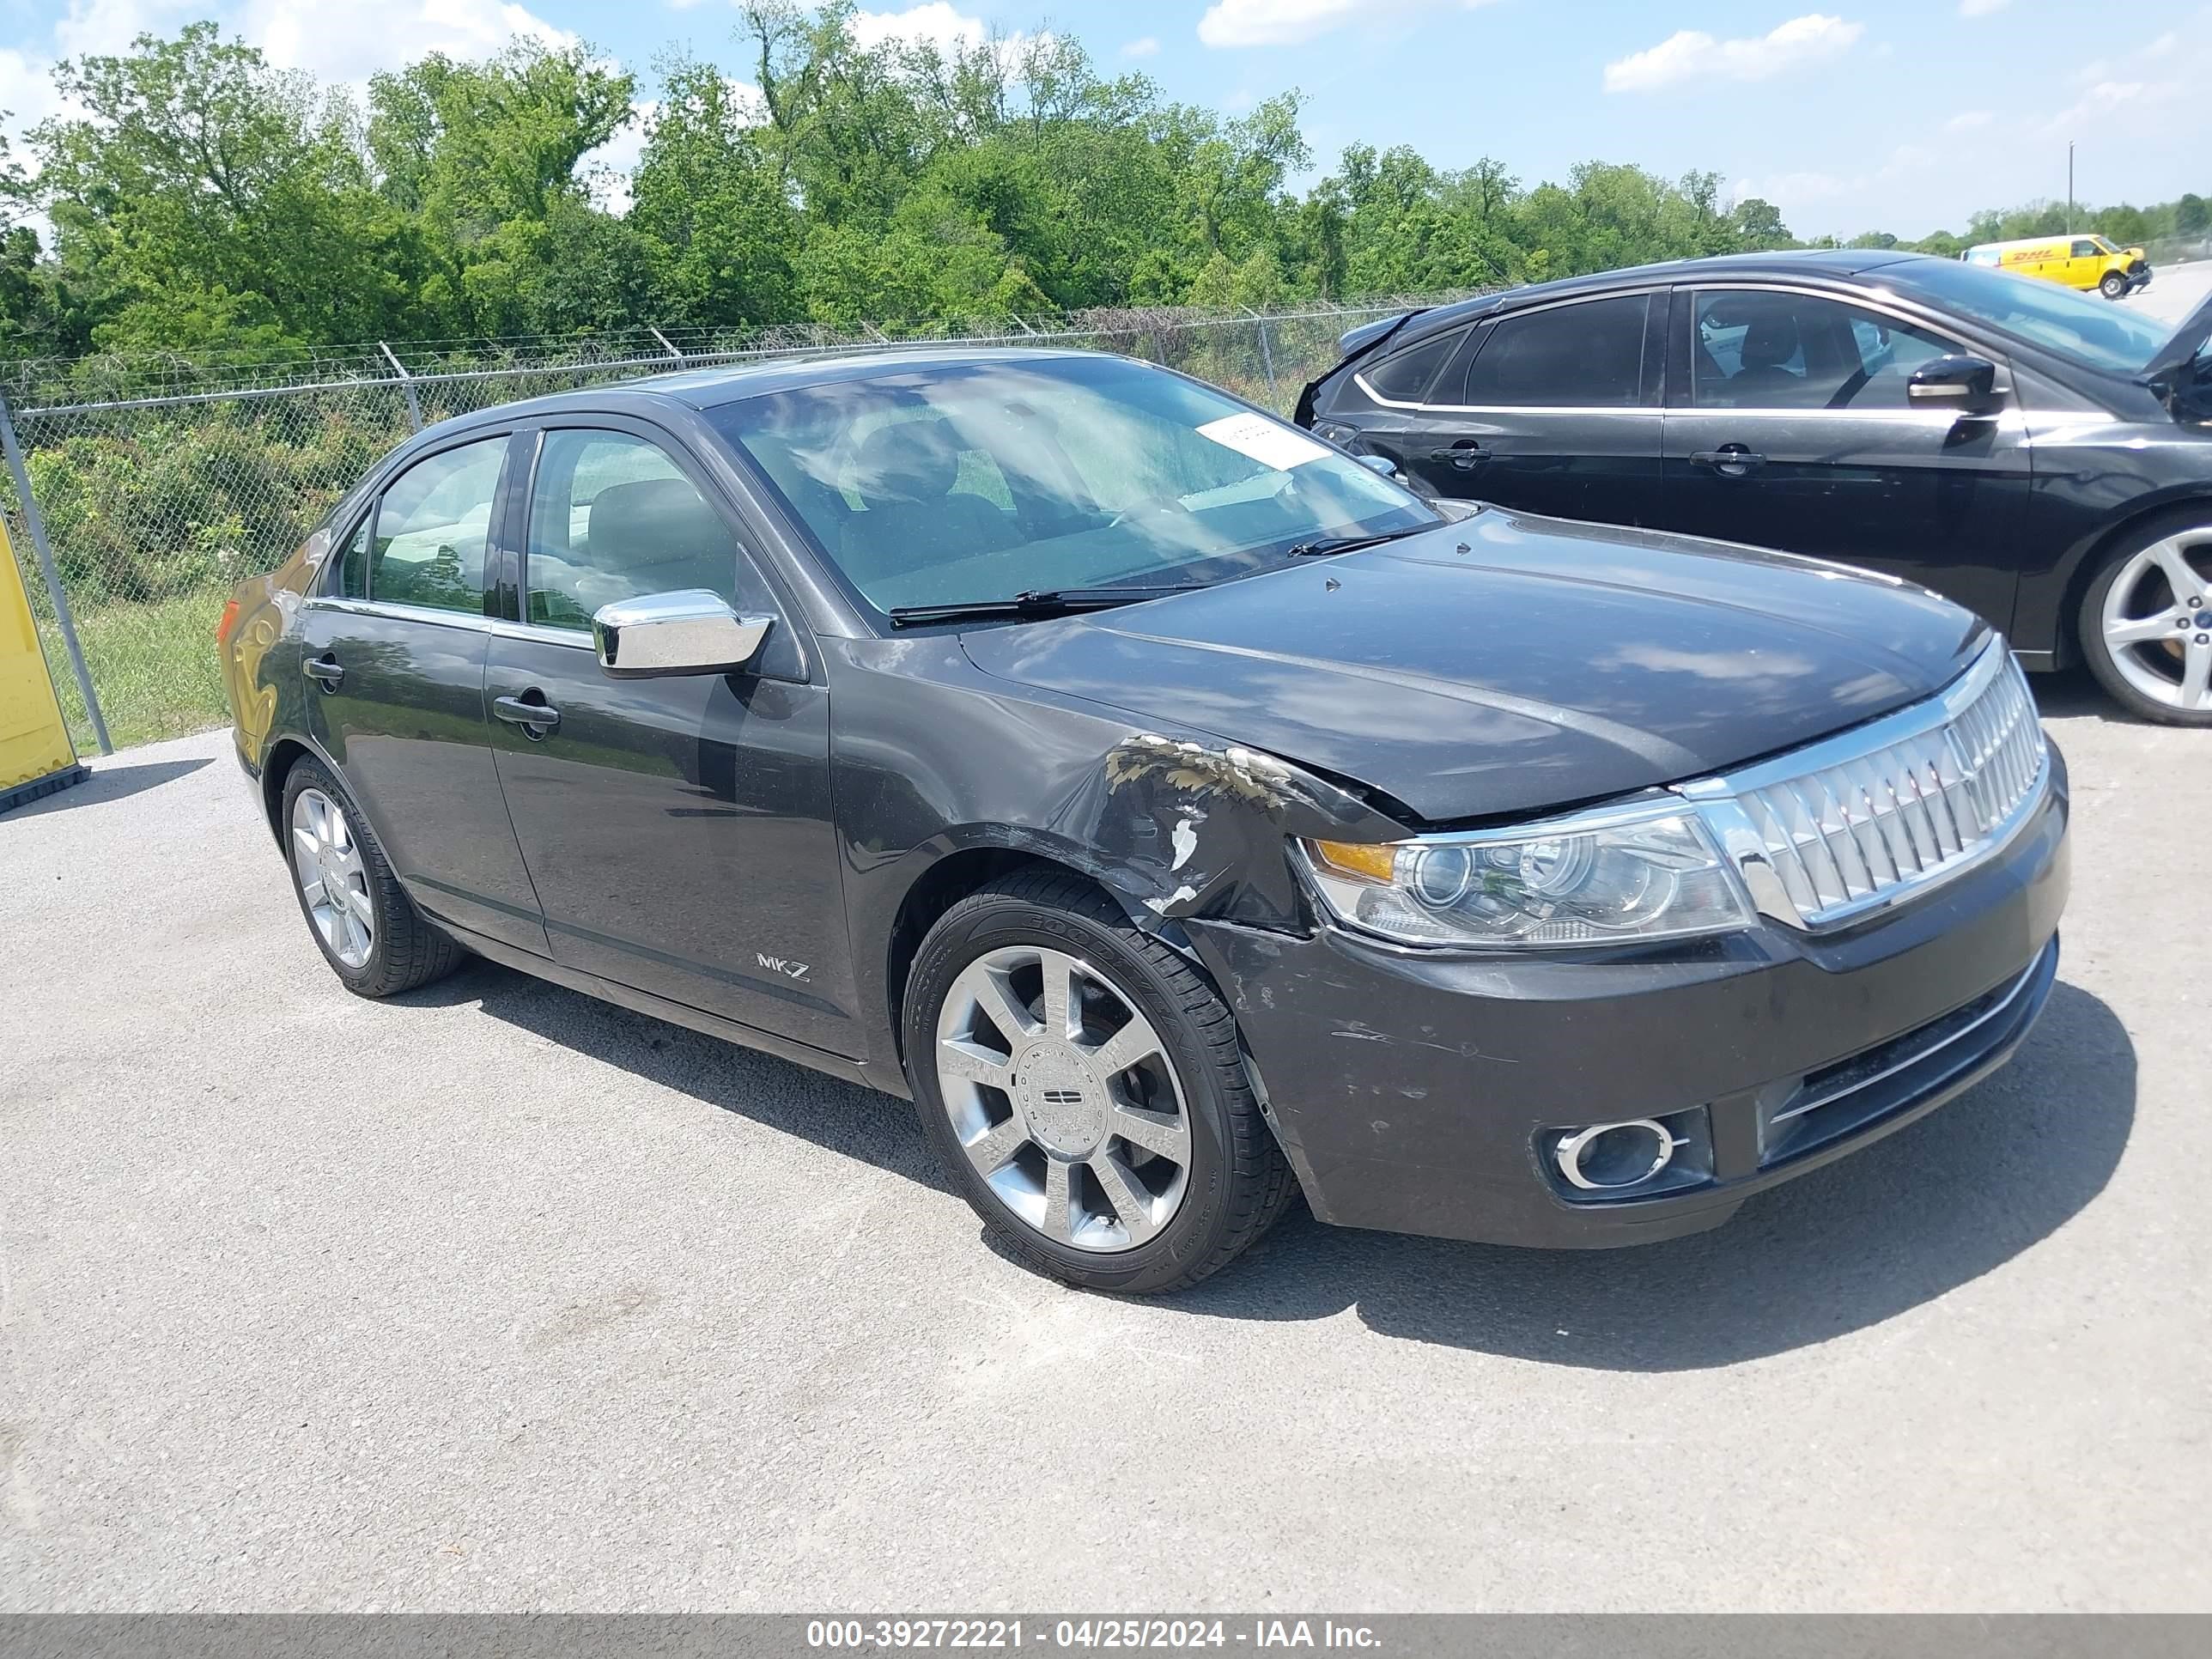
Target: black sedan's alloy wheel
[368, 929]
[1081, 1086]
[2146, 622]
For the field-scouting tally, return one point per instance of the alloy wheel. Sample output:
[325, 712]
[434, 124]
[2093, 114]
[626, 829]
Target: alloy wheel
[333, 881]
[2157, 621]
[1063, 1098]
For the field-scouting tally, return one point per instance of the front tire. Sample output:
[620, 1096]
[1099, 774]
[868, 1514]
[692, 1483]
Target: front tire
[1081, 1086]
[368, 929]
[2145, 625]
[2114, 286]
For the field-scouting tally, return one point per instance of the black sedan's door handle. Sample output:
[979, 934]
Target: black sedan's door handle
[1729, 460]
[530, 711]
[323, 670]
[1466, 455]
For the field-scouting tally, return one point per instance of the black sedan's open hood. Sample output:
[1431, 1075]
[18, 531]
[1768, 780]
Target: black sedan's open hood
[2182, 345]
[1510, 664]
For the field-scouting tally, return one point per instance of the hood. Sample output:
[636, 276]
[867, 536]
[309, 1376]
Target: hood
[2182, 346]
[1509, 664]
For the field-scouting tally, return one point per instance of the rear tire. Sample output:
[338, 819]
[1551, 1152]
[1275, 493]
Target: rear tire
[2114, 286]
[361, 920]
[1133, 1217]
[2146, 642]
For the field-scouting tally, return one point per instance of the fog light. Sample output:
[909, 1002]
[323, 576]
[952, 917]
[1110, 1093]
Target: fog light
[1608, 1156]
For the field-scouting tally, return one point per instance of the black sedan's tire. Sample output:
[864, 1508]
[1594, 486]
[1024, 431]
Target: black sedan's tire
[2145, 624]
[1081, 1086]
[2114, 286]
[368, 930]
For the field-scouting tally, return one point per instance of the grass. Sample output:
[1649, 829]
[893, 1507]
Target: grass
[153, 665]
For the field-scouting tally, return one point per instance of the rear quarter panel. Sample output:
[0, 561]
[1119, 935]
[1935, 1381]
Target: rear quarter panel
[261, 656]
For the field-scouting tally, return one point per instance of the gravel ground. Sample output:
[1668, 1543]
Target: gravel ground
[497, 1298]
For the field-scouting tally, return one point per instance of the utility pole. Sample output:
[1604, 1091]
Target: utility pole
[2070, 186]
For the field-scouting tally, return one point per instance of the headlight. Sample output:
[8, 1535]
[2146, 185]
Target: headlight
[1602, 877]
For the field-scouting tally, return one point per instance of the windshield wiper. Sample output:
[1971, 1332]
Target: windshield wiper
[1322, 547]
[1034, 602]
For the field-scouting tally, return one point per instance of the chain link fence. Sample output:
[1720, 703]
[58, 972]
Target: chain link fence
[156, 496]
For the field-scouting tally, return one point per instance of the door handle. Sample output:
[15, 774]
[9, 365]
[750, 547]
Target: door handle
[1466, 455]
[1729, 460]
[323, 670]
[536, 718]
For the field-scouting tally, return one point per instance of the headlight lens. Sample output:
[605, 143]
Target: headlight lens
[1601, 878]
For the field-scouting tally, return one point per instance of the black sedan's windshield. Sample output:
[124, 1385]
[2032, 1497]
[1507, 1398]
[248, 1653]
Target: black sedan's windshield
[951, 484]
[2087, 330]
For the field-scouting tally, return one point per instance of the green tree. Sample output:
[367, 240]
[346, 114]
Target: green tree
[715, 228]
[208, 200]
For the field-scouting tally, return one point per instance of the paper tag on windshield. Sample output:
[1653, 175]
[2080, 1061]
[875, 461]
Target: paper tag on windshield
[1270, 445]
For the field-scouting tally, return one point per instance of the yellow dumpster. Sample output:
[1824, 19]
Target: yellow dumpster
[36, 757]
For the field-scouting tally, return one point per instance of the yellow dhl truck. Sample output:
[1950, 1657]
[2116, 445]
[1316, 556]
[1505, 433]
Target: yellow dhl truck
[2082, 262]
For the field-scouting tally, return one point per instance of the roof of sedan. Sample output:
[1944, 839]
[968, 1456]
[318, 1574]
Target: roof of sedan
[708, 387]
[1826, 262]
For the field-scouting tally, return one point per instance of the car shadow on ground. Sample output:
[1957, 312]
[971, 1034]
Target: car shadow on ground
[2074, 694]
[102, 784]
[1930, 1208]
[857, 1122]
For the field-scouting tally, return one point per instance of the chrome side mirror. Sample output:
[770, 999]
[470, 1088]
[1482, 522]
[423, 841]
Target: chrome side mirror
[690, 632]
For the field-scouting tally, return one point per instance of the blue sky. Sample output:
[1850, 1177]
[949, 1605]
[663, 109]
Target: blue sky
[1895, 115]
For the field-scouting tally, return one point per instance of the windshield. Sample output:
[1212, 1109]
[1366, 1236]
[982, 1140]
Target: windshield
[951, 484]
[2077, 325]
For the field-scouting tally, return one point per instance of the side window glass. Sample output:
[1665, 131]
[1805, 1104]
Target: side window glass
[1767, 350]
[1407, 375]
[431, 526]
[1590, 355]
[353, 564]
[612, 517]
[2085, 250]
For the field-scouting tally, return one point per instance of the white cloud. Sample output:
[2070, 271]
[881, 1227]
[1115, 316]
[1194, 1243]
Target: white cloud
[1287, 23]
[1966, 120]
[937, 22]
[1694, 55]
[1982, 8]
[1147, 46]
[348, 40]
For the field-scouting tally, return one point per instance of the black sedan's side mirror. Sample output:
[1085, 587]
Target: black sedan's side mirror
[691, 632]
[1962, 383]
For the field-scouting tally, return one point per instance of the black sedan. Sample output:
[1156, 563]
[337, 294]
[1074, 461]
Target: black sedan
[2035, 453]
[1178, 814]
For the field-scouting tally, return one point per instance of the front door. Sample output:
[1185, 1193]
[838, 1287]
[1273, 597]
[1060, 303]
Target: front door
[1554, 410]
[1788, 426]
[678, 830]
[393, 650]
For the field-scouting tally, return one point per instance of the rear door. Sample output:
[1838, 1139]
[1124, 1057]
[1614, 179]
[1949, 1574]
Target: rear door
[1551, 410]
[677, 831]
[1788, 426]
[393, 648]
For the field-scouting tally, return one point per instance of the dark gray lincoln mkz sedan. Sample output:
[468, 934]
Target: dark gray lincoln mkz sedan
[1173, 809]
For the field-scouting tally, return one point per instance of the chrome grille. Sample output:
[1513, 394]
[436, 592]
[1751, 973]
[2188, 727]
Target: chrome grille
[1906, 802]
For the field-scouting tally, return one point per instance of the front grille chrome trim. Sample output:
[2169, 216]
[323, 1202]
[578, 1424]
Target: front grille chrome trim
[1826, 835]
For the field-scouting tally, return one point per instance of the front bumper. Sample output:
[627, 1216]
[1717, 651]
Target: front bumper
[1421, 1093]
